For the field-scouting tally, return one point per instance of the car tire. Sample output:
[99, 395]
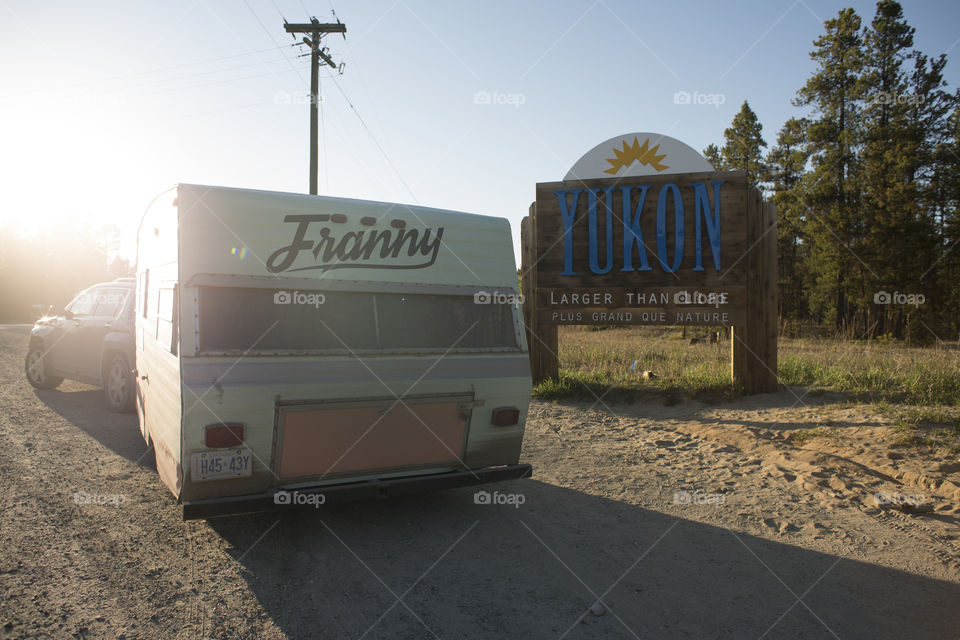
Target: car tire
[118, 384]
[37, 369]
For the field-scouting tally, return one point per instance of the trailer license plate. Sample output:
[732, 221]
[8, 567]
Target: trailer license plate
[212, 465]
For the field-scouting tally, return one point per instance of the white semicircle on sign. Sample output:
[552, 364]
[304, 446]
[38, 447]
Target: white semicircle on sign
[638, 154]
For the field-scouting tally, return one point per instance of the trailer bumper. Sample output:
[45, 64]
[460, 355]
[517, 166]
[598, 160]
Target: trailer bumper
[353, 491]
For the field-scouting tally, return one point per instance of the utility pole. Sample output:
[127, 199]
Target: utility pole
[317, 53]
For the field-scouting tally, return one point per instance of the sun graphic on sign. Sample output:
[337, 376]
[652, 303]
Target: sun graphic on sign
[643, 154]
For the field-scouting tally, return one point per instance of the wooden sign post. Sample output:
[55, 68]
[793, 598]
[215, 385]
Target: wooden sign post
[647, 246]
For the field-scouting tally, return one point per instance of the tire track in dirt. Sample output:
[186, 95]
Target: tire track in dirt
[820, 500]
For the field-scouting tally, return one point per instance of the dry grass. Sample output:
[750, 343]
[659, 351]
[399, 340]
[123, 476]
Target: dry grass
[917, 389]
[937, 427]
[612, 360]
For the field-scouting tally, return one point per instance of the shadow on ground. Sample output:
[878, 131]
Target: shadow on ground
[86, 409]
[442, 566]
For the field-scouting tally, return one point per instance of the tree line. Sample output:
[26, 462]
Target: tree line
[866, 185]
[49, 265]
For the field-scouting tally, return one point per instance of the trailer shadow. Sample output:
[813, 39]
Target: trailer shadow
[84, 407]
[442, 565]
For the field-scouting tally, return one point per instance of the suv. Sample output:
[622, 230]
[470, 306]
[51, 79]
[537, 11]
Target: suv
[90, 341]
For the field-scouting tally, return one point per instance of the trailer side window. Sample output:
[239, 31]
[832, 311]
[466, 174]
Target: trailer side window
[166, 313]
[175, 333]
[146, 291]
[165, 304]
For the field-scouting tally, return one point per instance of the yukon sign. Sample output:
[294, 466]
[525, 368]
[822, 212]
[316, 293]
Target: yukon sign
[639, 243]
[326, 247]
[643, 231]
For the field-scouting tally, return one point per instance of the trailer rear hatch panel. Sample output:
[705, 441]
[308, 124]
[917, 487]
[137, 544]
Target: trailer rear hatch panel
[330, 439]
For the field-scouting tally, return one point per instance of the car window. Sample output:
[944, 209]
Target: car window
[83, 304]
[109, 302]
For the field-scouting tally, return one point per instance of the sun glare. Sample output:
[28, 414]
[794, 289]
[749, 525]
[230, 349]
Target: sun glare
[79, 163]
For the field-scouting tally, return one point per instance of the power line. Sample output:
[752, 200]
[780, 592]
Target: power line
[316, 30]
[207, 113]
[280, 13]
[125, 92]
[99, 81]
[373, 137]
[377, 120]
[206, 73]
[269, 35]
[210, 84]
[189, 64]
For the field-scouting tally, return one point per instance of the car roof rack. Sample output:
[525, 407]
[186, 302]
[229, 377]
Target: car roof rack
[126, 279]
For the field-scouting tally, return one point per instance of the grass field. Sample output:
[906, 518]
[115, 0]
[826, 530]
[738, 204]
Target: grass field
[918, 388]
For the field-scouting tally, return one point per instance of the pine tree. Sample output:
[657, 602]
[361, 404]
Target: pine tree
[786, 163]
[831, 190]
[951, 241]
[743, 144]
[928, 116]
[890, 196]
[943, 194]
[713, 154]
[867, 186]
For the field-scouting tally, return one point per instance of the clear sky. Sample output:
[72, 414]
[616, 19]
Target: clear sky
[105, 104]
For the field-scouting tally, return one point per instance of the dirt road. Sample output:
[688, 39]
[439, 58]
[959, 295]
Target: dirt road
[670, 522]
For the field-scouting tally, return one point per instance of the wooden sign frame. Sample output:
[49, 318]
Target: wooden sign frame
[605, 251]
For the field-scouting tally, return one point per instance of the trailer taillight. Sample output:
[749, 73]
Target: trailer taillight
[223, 435]
[505, 416]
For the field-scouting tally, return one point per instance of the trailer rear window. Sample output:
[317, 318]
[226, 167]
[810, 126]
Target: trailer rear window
[239, 320]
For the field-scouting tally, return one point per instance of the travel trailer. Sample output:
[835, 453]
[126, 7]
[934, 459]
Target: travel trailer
[295, 349]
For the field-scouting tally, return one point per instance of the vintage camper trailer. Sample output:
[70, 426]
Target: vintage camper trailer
[295, 349]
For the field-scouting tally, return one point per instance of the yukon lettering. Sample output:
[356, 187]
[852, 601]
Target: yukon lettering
[601, 250]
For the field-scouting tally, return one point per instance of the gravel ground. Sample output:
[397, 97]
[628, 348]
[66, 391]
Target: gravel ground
[641, 522]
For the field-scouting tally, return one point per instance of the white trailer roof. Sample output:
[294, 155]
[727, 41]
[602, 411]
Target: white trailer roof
[243, 232]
